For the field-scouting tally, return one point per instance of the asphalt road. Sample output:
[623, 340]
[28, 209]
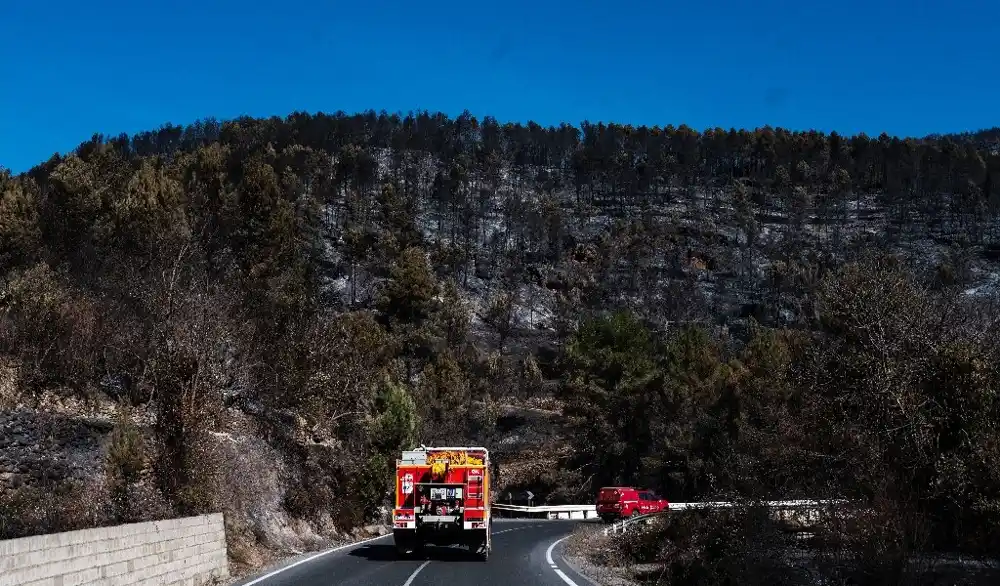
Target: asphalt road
[525, 553]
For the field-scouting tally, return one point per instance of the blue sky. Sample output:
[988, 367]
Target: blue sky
[70, 68]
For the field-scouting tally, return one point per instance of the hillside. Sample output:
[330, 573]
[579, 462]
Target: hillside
[293, 300]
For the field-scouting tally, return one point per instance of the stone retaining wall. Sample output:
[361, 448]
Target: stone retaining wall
[189, 551]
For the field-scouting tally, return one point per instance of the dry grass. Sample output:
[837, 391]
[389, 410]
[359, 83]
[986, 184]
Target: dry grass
[598, 557]
[10, 373]
[53, 507]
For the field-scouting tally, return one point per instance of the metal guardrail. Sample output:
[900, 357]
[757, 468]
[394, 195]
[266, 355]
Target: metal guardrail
[580, 512]
[552, 511]
[623, 525]
[770, 504]
[800, 505]
[545, 508]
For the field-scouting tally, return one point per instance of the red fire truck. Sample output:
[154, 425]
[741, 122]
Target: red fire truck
[443, 498]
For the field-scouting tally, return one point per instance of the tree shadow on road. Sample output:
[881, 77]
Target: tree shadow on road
[385, 553]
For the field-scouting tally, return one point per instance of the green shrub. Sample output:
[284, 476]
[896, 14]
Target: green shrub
[125, 463]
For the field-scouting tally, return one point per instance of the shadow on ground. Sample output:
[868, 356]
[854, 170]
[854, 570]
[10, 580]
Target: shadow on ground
[385, 553]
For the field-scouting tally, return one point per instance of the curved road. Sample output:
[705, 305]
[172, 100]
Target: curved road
[526, 552]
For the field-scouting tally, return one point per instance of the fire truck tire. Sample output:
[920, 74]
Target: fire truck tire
[481, 546]
[407, 544]
[482, 550]
[412, 550]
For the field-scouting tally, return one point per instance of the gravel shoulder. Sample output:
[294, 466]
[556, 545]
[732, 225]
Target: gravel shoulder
[592, 554]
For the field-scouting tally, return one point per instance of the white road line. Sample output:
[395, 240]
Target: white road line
[312, 557]
[509, 530]
[552, 564]
[564, 577]
[515, 529]
[548, 552]
[359, 543]
[415, 572]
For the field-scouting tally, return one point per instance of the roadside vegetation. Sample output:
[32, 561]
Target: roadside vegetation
[889, 401]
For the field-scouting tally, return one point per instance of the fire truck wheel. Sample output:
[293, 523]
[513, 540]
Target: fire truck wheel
[414, 550]
[483, 551]
[409, 547]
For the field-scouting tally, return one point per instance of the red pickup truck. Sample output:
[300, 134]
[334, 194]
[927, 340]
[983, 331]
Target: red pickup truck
[618, 502]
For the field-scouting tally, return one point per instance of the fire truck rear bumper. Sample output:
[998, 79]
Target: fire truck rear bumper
[440, 523]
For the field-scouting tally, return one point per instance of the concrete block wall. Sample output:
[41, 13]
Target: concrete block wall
[189, 551]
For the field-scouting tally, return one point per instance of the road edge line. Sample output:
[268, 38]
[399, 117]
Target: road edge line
[559, 572]
[578, 571]
[313, 557]
[552, 563]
